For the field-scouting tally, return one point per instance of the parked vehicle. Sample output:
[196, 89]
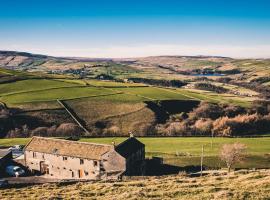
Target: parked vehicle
[17, 150]
[3, 183]
[14, 171]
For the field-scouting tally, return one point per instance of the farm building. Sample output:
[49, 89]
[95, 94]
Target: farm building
[65, 159]
[5, 159]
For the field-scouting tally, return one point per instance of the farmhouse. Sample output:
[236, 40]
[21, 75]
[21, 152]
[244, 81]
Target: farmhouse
[65, 159]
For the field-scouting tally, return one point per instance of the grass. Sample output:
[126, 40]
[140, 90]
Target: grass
[216, 98]
[154, 93]
[37, 90]
[171, 145]
[236, 185]
[32, 106]
[112, 108]
[53, 94]
[31, 85]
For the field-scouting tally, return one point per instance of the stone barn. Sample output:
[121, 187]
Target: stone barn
[64, 159]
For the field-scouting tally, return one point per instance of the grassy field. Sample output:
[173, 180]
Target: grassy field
[153, 93]
[129, 109]
[31, 85]
[186, 151]
[33, 90]
[54, 94]
[220, 186]
[171, 145]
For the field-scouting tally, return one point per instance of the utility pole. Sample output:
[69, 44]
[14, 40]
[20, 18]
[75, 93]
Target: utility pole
[202, 159]
[212, 140]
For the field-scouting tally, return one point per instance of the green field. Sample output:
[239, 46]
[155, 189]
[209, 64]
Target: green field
[54, 94]
[38, 90]
[186, 151]
[31, 85]
[154, 93]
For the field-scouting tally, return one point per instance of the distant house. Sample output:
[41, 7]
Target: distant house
[65, 159]
[5, 159]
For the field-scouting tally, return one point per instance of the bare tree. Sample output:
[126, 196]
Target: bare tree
[232, 153]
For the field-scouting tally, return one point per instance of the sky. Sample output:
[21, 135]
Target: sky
[136, 28]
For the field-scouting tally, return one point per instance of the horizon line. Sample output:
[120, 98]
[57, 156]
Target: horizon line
[132, 57]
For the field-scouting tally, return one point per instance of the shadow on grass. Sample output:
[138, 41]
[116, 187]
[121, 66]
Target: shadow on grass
[155, 167]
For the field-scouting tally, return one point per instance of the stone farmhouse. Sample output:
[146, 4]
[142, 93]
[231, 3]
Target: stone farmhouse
[64, 159]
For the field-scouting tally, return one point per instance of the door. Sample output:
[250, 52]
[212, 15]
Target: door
[80, 173]
[44, 168]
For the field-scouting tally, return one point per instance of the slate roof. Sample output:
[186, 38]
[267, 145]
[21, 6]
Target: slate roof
[4, 152]
[128, 147]
[68, 148]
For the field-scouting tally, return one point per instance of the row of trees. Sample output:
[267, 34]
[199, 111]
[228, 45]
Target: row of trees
[210, 87]
[218, 120]
[65, 129]
[159, 82]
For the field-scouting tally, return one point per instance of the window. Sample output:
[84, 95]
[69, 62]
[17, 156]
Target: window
[85, 173]
[72, 174]
[81, 161]
[43, 157]
[95, 163]
[64, 158]
[34, 154]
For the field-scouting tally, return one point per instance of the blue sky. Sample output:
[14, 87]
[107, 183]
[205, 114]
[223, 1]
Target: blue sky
[103, 28]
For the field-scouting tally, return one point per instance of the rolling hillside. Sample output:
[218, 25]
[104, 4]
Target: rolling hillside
[30, 86]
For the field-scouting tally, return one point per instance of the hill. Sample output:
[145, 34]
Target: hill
[115, 96]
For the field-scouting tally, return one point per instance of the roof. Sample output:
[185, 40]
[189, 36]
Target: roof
[68, 148]
[128, 147]
[4, 152]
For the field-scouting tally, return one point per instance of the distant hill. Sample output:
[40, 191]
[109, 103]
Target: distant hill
[157, 67]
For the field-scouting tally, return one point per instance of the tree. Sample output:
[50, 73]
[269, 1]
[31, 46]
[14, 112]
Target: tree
[232, 153]
[39, 131]
[68, 129]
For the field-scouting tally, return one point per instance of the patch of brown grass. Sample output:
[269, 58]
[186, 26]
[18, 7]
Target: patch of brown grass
[249, 185]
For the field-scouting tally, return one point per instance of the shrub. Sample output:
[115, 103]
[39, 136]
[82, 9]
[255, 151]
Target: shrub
[68, 129]
[232, 153]
[203, 126]
[206, 110]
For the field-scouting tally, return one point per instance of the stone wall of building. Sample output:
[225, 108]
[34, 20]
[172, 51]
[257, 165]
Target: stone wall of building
[64, 167]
